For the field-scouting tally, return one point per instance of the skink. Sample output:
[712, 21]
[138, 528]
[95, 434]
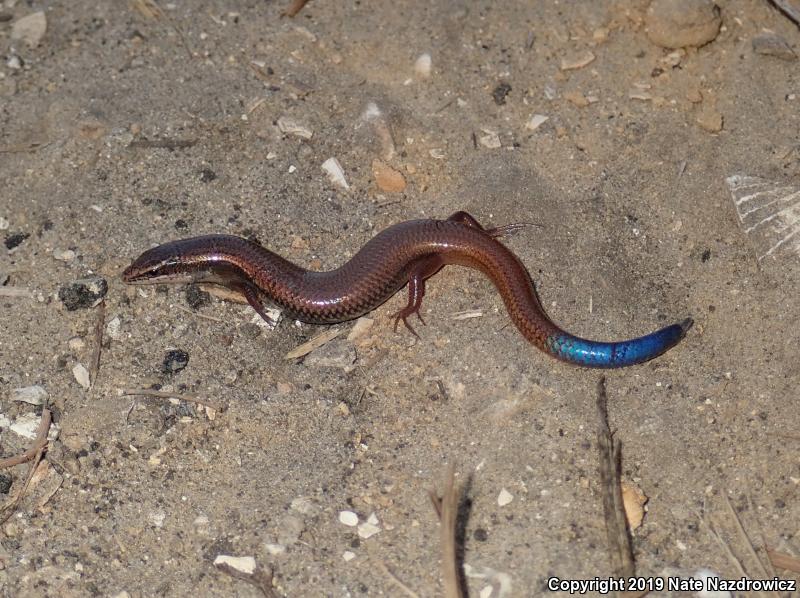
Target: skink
[406, 253]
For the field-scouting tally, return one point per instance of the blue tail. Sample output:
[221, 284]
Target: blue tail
[593, 354]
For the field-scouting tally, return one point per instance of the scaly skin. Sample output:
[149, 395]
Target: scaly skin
[406, 253]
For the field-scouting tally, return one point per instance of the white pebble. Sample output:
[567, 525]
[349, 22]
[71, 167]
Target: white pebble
[33, 395]
[113, 328]
[423, 65]
[348, 518]
[504, 498]
[245, 564]
[26, 425]
[536, 121]
[156, 518]
[4, 224]
[292, 127]
[335, 173]
[81, 375]
[367, 530]
[275, 549]
[30, 29]
[348, 556]
[64, 255]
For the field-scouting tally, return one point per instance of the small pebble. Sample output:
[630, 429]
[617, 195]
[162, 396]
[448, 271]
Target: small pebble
[83, 293]
[14, 62]
[30, 29]
[577, 62]
[290, 126]
[387, 178]
[64, 255]
[196, 297]
[335, 354]
[81, 375]
[113, 328]
[576, 98]
[6, 482]
[335, 173]
[504, 498]
[175, 361]
[4, 224]
[245, 564]
[769, 44]
[275, 549]
[490, 139]
[303, 505]
[682, 23]
[422, 66]
[26, 425]
[33, 395]
[710, 120]
[367, 530]
[348, 555]
[15, 240]
[348, 518]
[500, 93]
[76, 344]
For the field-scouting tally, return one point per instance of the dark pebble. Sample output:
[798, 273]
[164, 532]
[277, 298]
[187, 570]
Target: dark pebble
[83, 293]
[480, 535]
[15, 240]
[706, 256]
[500, 92]
[5, 482]
[175, 361]
[196, 297]
[181, 224]
[207, 175]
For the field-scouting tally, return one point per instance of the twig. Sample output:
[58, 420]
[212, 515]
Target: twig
[170, 144]
[160, 394]
[753, 510]
[295, 7]
[725, 548]
[260, 578]
[15, 292]
[394, 579]
[745, 538]
[39, 443]
[447, 510]
[619, 539]
[94, 366]
[781, 560]
[789, 10]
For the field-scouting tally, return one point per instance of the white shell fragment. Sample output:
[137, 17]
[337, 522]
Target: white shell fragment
[290, 126]
[504, 498]
[81, 375]
[536, 121]
[423, 65]
[769, 214]
[490, 139]
[348, 518]
[33, 395]
[335, 173]
[245, 564]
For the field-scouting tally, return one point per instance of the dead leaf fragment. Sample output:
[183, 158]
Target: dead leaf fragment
[633, 499]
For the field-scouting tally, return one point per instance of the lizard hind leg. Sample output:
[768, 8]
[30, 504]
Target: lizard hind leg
[421, 270]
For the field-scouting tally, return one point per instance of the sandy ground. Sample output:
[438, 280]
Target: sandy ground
[121, 130]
